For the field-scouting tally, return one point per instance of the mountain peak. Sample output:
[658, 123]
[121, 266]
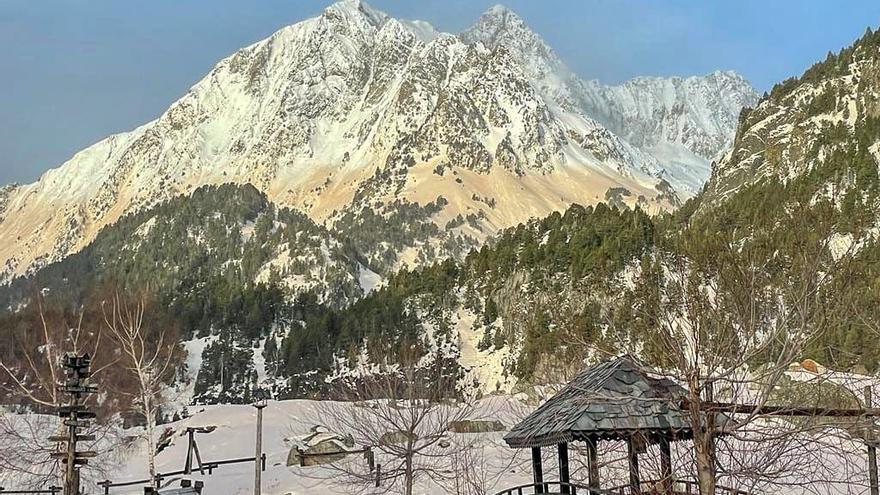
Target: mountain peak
[728, 74]
[498, 25]
[358, 8]
[499, 10]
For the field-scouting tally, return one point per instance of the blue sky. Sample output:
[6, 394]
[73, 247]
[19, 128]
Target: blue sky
[75, 71]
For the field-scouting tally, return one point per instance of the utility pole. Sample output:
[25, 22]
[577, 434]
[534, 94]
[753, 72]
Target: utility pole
[76, 416]
[259, 404]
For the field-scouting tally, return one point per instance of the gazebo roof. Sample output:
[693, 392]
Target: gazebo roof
[614, 400]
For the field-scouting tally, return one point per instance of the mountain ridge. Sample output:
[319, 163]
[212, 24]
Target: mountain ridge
[800, 183]
[351, 111]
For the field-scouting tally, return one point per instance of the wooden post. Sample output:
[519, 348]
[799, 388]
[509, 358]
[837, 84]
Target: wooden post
[872, 449]
[635, 484]
[666, 465]
[537, 470]
[563, 467]
[378, 474]
[187, 465]
[258, 448]
[76, 416]
[198, 457]
[71, 481]
[593, 459]
[371, 459]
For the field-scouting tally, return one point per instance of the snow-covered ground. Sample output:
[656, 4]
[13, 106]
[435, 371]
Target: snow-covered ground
[818, 460]
[286, 422]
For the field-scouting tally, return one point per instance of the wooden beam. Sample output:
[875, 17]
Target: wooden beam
[728, 407]
[872, 450]
[537, 470]
[187, 464]
[635, 484]
[666, 465]
[593, 458]
[564, 478]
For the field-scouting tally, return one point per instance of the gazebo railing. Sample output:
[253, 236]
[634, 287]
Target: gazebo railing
[679, 487]
[692, 487]
[650, 487]
[555, 488]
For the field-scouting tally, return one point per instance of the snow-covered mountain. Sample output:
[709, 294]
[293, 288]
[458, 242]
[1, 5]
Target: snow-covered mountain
[683, 123]
[352, 116]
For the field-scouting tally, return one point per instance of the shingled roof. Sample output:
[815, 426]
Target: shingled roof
[610, 401]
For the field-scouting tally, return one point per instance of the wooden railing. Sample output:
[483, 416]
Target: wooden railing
[52, 490]
[554, 488]
[692, 487]
[208, 467]
[653, 487]
[679, 487]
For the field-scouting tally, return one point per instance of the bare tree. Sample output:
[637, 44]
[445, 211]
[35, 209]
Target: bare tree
[725, 315]
[148, 352]
[30, 370]
[404, 413]
[476, 471]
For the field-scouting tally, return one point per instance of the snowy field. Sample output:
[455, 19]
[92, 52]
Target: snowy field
[819, 460]
[286, 422]
[810, 459]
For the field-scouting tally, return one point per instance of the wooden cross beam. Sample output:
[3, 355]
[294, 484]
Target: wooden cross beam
[729, 407]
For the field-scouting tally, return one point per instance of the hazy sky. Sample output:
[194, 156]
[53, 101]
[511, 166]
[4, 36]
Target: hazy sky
[74, 71]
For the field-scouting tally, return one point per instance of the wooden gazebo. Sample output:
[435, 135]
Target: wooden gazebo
[616, 400]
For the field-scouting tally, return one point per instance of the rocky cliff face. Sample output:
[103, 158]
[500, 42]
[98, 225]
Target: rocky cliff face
[824, 123]
[798, 192]
[354, 116]
[685, 123]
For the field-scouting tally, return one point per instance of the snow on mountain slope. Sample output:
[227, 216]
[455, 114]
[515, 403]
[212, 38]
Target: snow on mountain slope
[682, 123]
[696, 114]
[499, 28]
[820, 129]
[356, 112]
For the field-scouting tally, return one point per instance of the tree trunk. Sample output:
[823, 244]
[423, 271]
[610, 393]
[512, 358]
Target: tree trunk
[703, 426]
[151, 440]
[705, 464]
[409, 478]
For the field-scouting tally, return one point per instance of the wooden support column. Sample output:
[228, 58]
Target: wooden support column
[666, 465]
[635, 484]
[187, 467]
[563, 467]
[593, 459]
[872, 449]
[537, 470]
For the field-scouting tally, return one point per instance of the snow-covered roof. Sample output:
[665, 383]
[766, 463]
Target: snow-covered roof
[181, 491]
[614, 400]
